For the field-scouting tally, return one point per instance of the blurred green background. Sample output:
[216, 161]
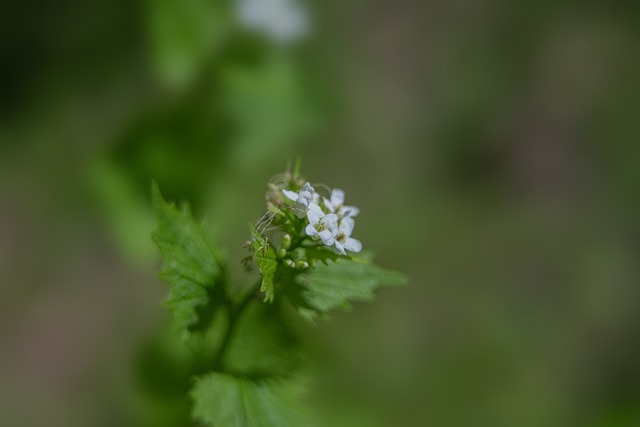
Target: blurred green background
[492, 147]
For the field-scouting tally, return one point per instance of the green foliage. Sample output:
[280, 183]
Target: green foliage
[239, 369]
[224, 400]
[262, 344]
[324, 254]
[332, 285]
[190, 266]
[267, 103]
[183, 36]
[165, 365]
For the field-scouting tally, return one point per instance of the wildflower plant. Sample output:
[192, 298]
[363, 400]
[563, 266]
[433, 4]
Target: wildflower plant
[246, 360]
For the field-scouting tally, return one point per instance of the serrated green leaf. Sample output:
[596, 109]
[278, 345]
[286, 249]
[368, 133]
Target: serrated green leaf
[323, 254]
[223, 400]
[190, 267]
[334, 284]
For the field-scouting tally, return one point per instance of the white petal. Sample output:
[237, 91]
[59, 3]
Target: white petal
[337, 197]
[333, 227]
[331, 222]
[310, 230]
[340, 248]
[291, 194]
[327, 237]
[303, 204]
[329, 205]
[346, 225]
[314, 213]
[316, 208]
[313, 217]
[349, 211]
[330, 218]
[352, 245]
[305, 195]
[307, 187]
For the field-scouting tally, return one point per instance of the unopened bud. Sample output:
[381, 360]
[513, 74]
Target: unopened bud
[282, 253]
[286, 241]
[302, 265]
[289, 263]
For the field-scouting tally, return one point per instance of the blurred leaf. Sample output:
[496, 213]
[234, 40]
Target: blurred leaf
[180, 142]
[332, 285]
[184, 34]
[262, 343]
[223, 400]
[190, 267]
[163, 369]
[128, 215]
[268, 105]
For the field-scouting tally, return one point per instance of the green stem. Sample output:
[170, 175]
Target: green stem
[234, 313]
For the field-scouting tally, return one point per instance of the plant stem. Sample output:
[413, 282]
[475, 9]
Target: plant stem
[234, 314]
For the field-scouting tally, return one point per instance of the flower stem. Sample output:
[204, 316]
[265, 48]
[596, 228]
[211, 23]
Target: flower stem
[235, 311]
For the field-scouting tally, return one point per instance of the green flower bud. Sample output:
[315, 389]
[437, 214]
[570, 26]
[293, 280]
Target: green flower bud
[286, 241]
[302, 265]
[289, 263]
[282, 253]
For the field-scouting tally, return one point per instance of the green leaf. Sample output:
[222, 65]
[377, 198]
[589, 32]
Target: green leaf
[332, 285]
[263, 343]
[268, 105]
[324, 254]
[223, 400]
[265, 257]
[190, 267]
[128, 215]
[183, 35]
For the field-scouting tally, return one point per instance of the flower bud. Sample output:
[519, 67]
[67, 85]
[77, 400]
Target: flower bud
[286, 241]
[289, 263]
[302, 265]
[282, 253]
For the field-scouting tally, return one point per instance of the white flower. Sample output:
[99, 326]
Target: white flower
[303, 199]
[321, 225]
[281, 20]
[342, 236]
[336, 205]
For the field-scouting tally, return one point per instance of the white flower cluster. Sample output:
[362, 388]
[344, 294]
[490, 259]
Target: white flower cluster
[330, 220]
[282, 21]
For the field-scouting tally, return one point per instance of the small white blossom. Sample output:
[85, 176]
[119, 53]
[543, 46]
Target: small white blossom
[315, 213]
[342, 236]
[303, 199]
[283, 21]
[320, 225]
[336, 205]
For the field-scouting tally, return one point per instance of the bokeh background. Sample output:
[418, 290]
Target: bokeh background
[492, 147]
